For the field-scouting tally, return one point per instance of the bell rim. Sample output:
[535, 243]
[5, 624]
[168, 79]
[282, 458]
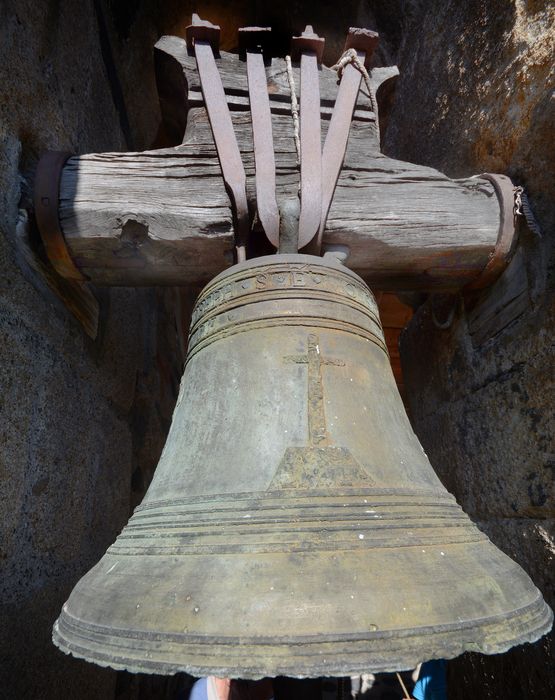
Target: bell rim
[444, 641]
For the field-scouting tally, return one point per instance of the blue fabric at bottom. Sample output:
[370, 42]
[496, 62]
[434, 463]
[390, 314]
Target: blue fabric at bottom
[432, 681]
[200, 690]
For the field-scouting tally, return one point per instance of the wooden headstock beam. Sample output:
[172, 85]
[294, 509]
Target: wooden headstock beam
[163, 217]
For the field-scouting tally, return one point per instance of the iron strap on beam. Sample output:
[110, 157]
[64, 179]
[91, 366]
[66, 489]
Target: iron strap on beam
[203, 39]
[252, 44]
[506, 239]
[309, 48]
[46, 199]
[363, 41]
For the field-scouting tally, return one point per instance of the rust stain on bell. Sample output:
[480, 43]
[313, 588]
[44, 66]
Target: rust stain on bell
[294, 525]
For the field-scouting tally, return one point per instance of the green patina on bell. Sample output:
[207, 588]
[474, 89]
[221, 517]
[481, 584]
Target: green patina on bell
[294, 525]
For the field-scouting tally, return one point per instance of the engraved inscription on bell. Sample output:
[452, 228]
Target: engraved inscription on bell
[320, 464]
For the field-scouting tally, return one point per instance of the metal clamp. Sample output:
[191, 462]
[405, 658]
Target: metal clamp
[46, 196]
[252, 43]
[203, 40]
[506, 238]
[309, 49]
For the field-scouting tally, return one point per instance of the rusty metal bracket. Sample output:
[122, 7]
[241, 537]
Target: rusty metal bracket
[309, 48]
[203, 39]
[46, 196]
[363, 41]
[252, 42]
[506, 238]
[57, 267]
[202, 30]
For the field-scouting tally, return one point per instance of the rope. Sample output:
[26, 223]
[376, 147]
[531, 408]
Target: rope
[294, 108]
[351, 56]
[522, 208]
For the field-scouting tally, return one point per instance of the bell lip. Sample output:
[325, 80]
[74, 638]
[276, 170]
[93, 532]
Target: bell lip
[330, 263]
[423, 645]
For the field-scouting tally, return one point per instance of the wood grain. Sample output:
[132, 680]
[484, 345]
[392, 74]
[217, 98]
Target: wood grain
[497, 307]
[163, 217]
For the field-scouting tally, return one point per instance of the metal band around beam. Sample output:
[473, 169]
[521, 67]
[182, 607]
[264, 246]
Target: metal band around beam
[46, 196]
[506, 239]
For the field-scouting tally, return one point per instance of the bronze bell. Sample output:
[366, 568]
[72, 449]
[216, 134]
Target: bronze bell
[294, 525]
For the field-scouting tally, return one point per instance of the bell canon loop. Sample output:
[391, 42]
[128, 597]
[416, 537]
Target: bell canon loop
[294, 525]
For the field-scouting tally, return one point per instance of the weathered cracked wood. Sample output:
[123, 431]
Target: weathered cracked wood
[176, 75]
[405, 226]
[163, 217]
[497, 307]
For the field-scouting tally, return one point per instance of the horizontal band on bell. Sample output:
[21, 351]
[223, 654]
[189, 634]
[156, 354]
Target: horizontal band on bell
[231, 328]
[309, 656]
[293, 524]
[286, 297]
[312, 497]
[136, 547]
[531, 609]
[295, 274]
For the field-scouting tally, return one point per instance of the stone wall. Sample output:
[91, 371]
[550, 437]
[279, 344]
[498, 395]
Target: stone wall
[82, 421]
[476, 95]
